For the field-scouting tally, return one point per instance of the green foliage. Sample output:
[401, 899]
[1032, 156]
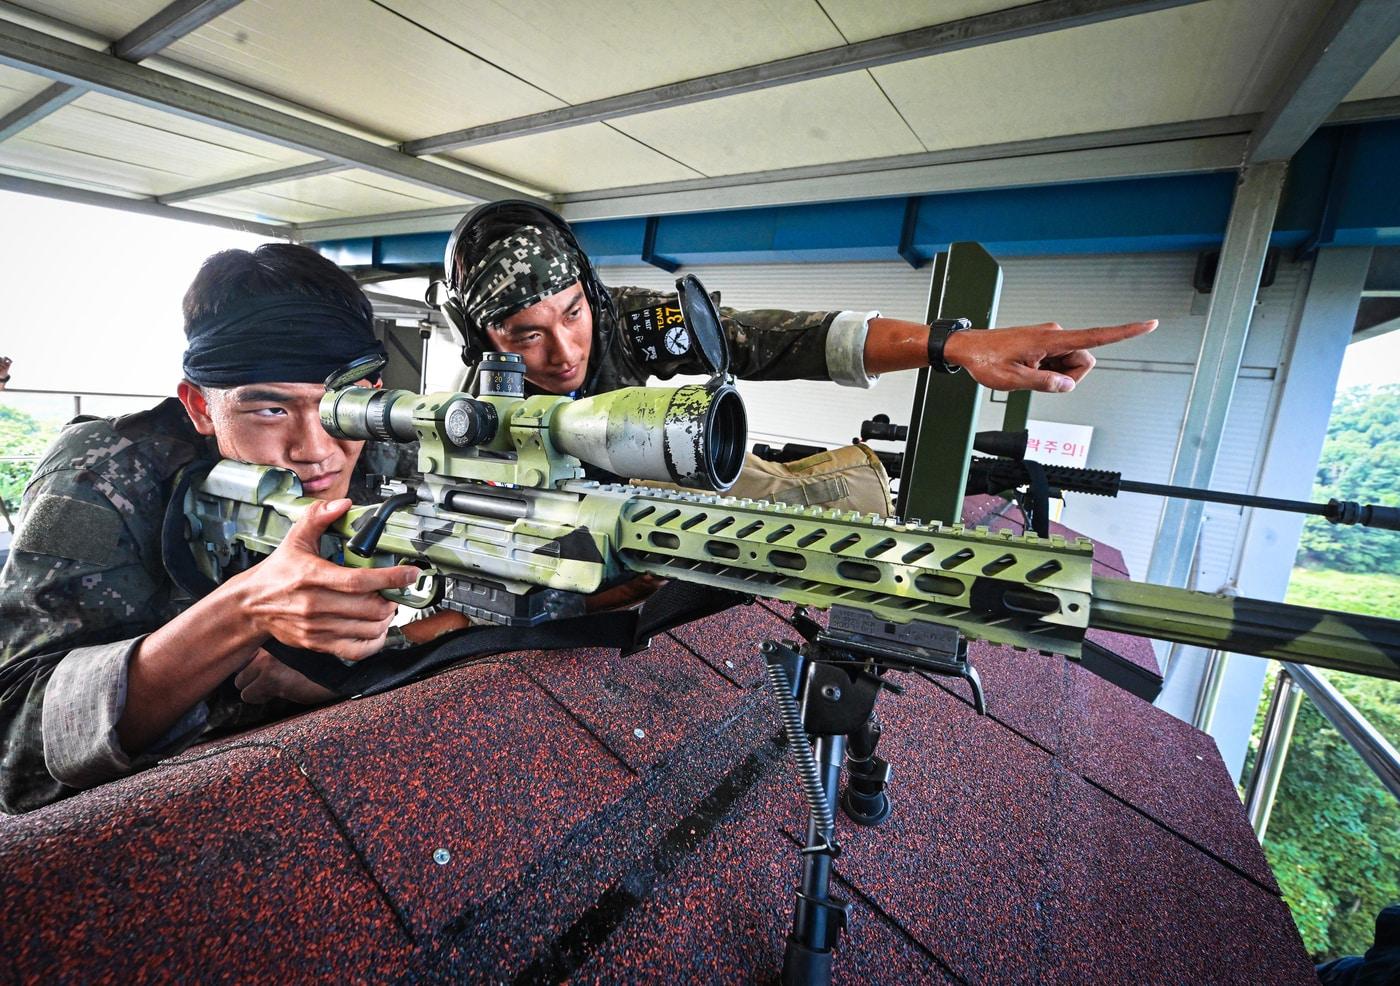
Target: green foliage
[1334, 836]
[1360, 461]
[22, 437]
[1371, 594]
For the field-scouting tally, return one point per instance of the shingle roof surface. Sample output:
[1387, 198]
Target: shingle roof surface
[1075, 834]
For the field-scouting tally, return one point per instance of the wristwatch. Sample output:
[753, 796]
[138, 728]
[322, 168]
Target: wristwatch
[938, 332]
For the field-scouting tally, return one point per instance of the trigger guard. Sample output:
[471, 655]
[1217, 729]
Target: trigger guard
[416, 598]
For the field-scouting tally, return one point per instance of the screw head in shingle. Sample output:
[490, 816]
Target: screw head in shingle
[442, 857]
[639, 733]
[729, 665]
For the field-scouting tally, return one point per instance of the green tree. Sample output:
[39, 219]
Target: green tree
[1360, 461]
[1334, 836]
[23, 439]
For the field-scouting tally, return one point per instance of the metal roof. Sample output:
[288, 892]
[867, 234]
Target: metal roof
[328, 118]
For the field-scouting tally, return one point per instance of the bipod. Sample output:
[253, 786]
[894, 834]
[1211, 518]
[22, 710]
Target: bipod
[826, 689]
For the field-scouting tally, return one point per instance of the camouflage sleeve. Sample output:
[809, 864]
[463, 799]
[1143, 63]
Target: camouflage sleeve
[75, 596]
[767, 344]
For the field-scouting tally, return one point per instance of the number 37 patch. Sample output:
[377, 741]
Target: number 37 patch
[658, 333]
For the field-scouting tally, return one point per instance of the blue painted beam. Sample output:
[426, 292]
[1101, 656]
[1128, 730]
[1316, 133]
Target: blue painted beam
[1350, 199]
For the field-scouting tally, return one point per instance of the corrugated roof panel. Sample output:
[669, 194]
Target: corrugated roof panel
[140, 150]
[334, 196]
[16, 87]
[359, 62]
[1383, 79]
[592, 156]
[860, 20]
[110, 18]
[1195, 62]
[838, 118]
[583, 52]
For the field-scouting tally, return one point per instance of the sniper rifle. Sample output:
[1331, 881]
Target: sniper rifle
[508, 526]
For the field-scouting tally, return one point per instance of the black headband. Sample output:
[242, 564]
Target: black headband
[277, 338]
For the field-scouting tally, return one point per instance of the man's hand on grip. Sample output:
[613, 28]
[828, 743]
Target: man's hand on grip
[301, 599]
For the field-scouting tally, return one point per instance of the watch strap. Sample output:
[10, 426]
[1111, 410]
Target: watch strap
[938, 332]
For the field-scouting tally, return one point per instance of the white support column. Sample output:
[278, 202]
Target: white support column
[1218, 364]
[1289, 464]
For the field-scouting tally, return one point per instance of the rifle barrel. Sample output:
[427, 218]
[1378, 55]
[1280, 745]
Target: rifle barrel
[1337, 641]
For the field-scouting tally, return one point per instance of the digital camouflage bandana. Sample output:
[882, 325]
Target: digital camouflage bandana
[517, 271]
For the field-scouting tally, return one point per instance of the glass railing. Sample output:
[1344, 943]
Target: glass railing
[1323, 796]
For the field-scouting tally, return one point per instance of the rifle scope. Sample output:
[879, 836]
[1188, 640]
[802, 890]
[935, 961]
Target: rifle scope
[361, 413]
[691, 436]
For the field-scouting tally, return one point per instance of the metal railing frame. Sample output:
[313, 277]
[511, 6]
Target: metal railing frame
[1295, 681]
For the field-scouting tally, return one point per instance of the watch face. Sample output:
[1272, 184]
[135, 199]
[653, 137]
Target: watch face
[677, 341]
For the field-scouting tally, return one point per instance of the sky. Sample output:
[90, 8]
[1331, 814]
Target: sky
[91, 298]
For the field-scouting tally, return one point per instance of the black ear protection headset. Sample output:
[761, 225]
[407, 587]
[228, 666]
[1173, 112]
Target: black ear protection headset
[482, 227]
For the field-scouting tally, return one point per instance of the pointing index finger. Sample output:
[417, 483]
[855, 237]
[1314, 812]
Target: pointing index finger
[1069, 339]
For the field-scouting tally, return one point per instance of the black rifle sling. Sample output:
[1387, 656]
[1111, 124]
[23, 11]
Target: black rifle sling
[674, 604]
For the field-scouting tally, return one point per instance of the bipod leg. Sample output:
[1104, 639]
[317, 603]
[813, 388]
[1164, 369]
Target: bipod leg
[864, 800]
[819, 918]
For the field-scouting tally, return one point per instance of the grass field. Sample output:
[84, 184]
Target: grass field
[1369, 594]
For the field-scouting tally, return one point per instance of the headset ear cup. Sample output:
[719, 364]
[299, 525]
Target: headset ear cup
[472, 349]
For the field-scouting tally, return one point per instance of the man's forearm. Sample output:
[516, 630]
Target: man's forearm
[180, 664]
[893, 344]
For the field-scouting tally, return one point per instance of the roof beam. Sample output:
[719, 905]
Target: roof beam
[1174, 148]
[310, 170]
[1168, 149]
[1353, 34]
[164, 28]
[168, 25]
[970, 32]
[55, 97]
[63, 61]
[141, 206]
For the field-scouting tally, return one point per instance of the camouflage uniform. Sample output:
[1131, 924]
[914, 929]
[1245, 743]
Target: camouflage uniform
[83, 586]
[646, 341]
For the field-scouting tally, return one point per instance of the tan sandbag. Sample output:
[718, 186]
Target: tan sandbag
[847, 478]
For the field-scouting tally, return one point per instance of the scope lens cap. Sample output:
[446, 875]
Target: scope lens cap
[355, 371]
[702, 322]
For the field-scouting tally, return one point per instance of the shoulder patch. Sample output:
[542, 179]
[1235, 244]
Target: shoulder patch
[63, 527]
[657, 332]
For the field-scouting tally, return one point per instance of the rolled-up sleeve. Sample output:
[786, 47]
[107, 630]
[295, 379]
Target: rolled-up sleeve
[84, 700]
[845, 349]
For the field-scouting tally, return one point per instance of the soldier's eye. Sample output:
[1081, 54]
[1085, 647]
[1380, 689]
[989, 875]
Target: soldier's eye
[269, 412]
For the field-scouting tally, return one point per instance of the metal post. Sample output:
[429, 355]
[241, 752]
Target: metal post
[966, 284]
[1017, 415]
[1208, 697]
[1213, 673]
[77, 405]
[1217, 366]
[1273, 751]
